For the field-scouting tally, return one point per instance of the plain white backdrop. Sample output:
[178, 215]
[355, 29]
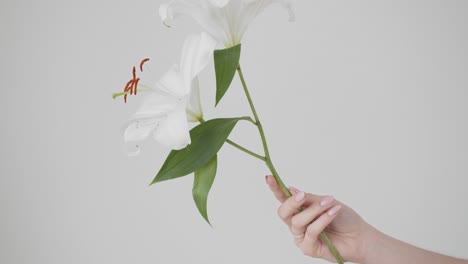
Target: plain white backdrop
[365, 100]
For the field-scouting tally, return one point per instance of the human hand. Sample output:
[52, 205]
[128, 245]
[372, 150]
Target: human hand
[343, 226]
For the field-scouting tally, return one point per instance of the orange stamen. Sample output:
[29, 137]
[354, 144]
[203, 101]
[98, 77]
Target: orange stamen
[128, 87]
[132, 85]
[143, 62]
[135, 85]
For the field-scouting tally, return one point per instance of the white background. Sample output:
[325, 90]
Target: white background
[365, 100]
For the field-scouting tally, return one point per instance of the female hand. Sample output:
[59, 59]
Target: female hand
[343, 226]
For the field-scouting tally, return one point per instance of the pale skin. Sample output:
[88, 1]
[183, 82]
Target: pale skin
[356, 240]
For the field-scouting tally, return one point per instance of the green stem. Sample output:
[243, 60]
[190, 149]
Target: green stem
[270, 165]
[268, 161]
[115, 95]
[245, 150]
[332, 248]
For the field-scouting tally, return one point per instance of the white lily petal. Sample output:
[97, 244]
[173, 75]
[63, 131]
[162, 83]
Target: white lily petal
[219, 3]
[194, 109]
[156, 104]
[173, 131]
[250, 10]
[196, 54]
[230, 19]
[173, 83]
[206, 13]
[138, 130]
[165, 111]
[225, 20]
[174, 8]
[154, 108]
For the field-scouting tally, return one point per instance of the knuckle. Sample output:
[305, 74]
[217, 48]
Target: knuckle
[279, 212]
[308, 250]
[296, 222]
[316, 207]
[282, 212]
[313, 230]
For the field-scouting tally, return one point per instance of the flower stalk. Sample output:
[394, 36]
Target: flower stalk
[270, 165]
[234, 144]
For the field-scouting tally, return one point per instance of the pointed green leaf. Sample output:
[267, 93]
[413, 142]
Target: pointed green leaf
[207, 138]
[202, 182]
[226, 62]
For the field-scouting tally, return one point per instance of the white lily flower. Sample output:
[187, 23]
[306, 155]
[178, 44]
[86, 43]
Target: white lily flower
[225, 20]
[173, 100]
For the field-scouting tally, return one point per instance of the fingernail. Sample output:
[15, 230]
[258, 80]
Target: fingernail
[326, 200]
[294, 190]
[334, 210]
[299, 197]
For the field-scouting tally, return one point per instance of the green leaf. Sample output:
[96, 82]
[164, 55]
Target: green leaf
[202, 182]
[226, 62]
[207, 138]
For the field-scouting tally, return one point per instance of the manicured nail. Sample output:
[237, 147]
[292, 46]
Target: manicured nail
[326, 200]
[294, 190]
[299, 197]
[334, 210]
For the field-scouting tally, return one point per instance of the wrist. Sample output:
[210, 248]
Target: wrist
[370, 240]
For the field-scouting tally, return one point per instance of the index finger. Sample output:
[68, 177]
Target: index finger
[276, 189]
